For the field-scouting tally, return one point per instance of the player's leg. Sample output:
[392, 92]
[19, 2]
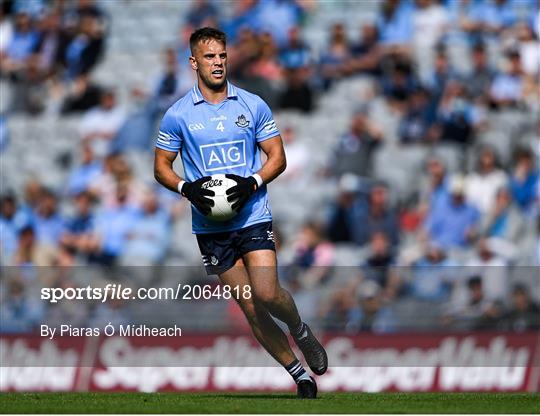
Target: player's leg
[270, 336]
[266, 331]
[262, 269]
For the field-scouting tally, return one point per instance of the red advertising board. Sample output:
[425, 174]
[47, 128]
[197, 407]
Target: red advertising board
[398, 362]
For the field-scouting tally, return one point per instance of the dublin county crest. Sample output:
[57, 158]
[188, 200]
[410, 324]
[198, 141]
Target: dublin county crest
[242, 121]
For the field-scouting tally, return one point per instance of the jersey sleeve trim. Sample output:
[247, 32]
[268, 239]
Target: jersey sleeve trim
[168, 147]
[268, 136]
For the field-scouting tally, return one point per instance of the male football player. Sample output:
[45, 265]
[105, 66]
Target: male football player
[219, 128]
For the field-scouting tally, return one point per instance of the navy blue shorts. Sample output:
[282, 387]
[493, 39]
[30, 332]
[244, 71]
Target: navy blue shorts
[221, 250]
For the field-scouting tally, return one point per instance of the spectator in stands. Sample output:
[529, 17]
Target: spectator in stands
[334, 62]
[169, 87]
[295, 58]
[364, 55]
[118, 173]
[33, 189]
[507, 89]
[112, 225]
[481, 186]
[379, 266]
[147, 240]
[354, 152]
[78, 234]
[416, 126]
[504, 225]
[243, 17]
[377, 216]
[469, 307]
[295, 53]
[245, 52]
[529, 49]
[277, 17]
[394, 25]
[82, 95]
[53, 42]
[479, 80]
[338, 309]
[433, 276]
[31, 252]
[100, 125]
[524, 314]
[442, 74]
[398, 85]
[49, 224]
[267, 66]
[464, 17]
[524, 180]
[9, 225]
[20, 311]
[453, 222]
[86, 48]
[23, 42]
[298, 93]
[434, 190]
[104, 186]
[498, 15]
[457, 117]
[429, 23]
[371, 315]
[314, 257]
[86, 173]
[344, 210]
[83, 220]
[263, 74]
[493, 270]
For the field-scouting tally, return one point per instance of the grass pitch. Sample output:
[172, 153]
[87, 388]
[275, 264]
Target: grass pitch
[269, 403]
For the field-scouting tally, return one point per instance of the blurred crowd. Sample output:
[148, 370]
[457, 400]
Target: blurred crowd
[450, 246]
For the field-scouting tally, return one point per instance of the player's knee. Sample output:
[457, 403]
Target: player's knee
[267, 297]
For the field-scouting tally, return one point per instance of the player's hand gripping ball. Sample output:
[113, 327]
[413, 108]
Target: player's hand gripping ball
[222, 209]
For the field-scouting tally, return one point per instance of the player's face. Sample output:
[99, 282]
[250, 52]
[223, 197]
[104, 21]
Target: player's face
[210, 61]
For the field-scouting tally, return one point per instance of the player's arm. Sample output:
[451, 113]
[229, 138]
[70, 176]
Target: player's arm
[276, 161]
[163, 169]
[269, 140]
[274, 165]
[193, 191]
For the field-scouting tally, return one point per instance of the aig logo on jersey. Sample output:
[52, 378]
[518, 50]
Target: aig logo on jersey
[220, 156]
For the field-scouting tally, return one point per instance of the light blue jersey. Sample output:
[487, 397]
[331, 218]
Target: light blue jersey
[220, 138]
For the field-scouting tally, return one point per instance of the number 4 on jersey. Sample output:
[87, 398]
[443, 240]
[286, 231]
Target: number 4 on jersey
[220, 126]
